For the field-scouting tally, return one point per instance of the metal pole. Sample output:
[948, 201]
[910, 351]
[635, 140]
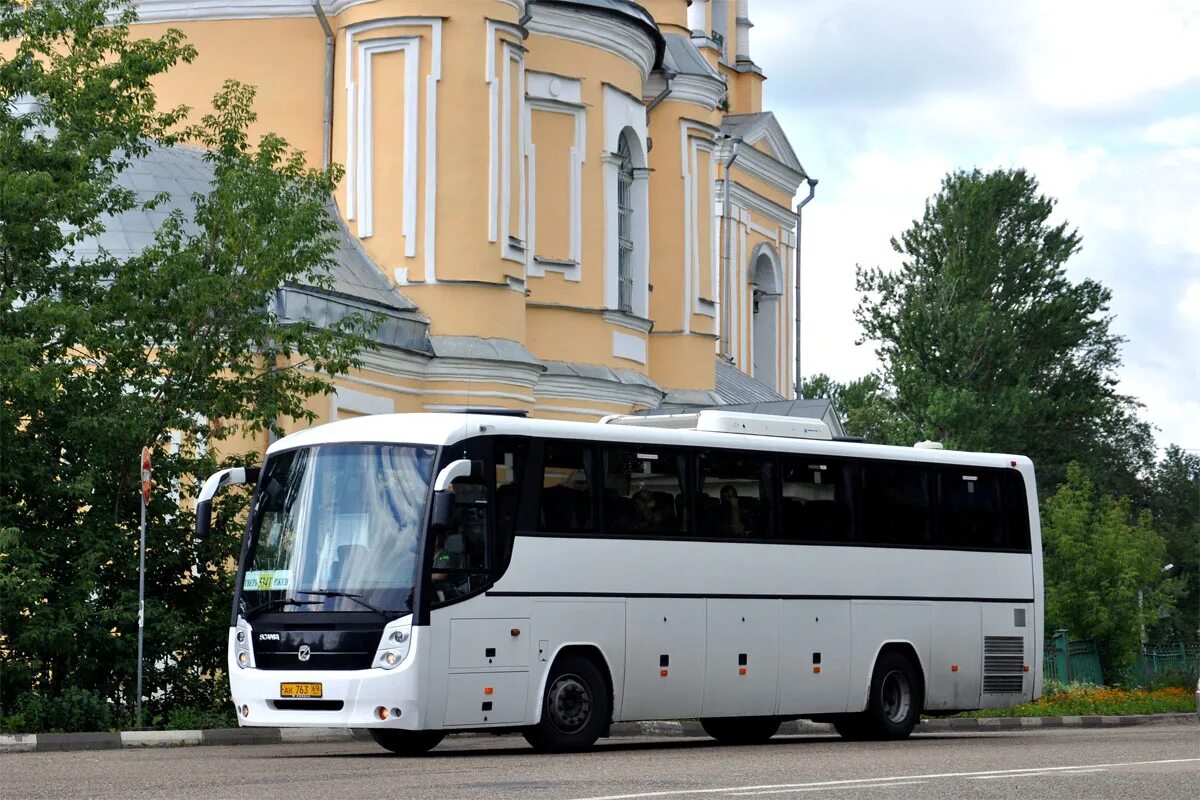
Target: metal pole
[141, 607]
[812, 190]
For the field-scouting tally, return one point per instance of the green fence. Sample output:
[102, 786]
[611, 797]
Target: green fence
[1170, 662]
[1072, 662]
[1079, 662]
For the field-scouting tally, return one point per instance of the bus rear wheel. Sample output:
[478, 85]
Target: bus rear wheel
[575, 707]
[406, 743]
[741, 730]
[894, 705]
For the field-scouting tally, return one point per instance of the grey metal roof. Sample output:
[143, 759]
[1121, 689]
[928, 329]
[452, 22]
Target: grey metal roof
[683, 57]
[623, 8]
[476, 348]
[178, 174]
[735, 386]
[628, 377]
[752, 126]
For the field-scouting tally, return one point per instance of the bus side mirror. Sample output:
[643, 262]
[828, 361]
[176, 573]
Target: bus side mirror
[443, 510]
[215, 483]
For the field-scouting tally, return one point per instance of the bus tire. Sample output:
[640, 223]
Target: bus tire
[575, 707]
[741, 730]
[406, 743]
[894, 705]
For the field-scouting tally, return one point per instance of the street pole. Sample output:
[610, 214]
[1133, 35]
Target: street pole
[145, 497]
[141, 610]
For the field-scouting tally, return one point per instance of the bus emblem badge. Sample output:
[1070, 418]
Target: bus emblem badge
[305, 652]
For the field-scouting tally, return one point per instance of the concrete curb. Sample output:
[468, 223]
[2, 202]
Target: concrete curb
[60, 742]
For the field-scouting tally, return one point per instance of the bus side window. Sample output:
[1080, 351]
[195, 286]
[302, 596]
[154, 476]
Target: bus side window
[644, 490]
[734, 501]
[896, 503]
[510, 461]
[565, 502]
[1016, 511]
[969, 509]
[815, 504]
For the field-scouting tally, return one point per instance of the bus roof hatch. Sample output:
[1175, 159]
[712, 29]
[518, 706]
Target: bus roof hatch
[714, 421]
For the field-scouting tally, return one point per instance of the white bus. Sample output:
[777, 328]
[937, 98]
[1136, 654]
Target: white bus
[420, 574]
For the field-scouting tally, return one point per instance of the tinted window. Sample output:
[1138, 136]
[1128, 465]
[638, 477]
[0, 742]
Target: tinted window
[970, 508]
[735, 496]
[1016, 510]
[815, 503]
[644, 490]
[895, 503]
[566, 503]
[510, 472]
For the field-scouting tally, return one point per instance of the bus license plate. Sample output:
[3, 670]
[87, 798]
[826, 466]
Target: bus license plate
[300, 690]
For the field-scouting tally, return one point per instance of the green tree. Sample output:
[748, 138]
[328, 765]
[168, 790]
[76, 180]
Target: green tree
[1103, 570]
[986, 344]
[1175, 503]
[177, 347]
[863, 406]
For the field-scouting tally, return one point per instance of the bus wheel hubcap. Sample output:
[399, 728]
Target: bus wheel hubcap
[896, 696]
[570, 704]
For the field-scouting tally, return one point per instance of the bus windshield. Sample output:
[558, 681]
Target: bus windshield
[337, 528]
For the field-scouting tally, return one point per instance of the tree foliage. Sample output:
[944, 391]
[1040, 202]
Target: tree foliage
[1104, 573]
[1174, 501]
[177, 348]
[985, 342]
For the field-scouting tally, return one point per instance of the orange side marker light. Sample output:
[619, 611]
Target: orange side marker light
[663, 672]
[488, 690]
[816, 670]
[1025, 668]
[954, 667]
[741, 670]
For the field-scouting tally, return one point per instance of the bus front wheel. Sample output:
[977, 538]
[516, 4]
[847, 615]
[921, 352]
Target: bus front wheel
[894, 705]
[741, 730]
[406, 743]
[575, 707]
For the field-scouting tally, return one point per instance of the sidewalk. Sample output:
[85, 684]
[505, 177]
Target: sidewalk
[59, 742]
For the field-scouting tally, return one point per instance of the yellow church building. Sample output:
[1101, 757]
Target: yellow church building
[568, 207]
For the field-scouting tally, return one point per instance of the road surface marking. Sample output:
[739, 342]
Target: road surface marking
[851, 782]
[827, 788]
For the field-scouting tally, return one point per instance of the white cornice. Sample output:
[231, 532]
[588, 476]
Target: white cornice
[622, 39]
[752, 201]
[185, 10]
[577, 387]
[696, 89]
[758, 164]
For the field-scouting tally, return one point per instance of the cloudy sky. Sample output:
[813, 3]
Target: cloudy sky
[1100, 100]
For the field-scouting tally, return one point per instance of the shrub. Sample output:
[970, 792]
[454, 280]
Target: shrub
[73, 711]
[191, 718]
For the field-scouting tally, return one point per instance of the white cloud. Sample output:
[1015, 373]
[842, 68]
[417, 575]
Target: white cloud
[1098, 101]
[1189, 304]
[1084, 54]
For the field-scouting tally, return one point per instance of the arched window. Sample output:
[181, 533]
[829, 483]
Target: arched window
[624, 225]
[764, 364]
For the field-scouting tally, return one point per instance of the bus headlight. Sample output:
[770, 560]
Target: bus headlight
[243, 651]
[393, 645]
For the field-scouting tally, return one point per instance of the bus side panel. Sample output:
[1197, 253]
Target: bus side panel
[664, 658]
[956, 668]
[814, 656]
[560, 623]
[742, 662]
[470, 642]
[873, 624]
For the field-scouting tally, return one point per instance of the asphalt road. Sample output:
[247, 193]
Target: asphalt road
[1153, 761]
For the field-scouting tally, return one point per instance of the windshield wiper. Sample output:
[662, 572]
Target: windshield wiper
[355, 597]
[281, 601]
